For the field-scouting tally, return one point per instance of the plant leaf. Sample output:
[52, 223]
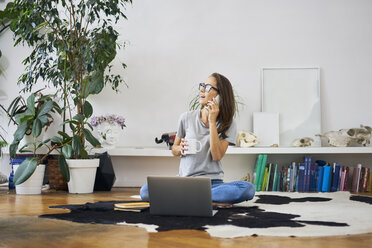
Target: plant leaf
[76, 144]
[64, 168]
[31, 103]
[88, 109]
[25, 170]
[64, 135]
[45, 108]
[13, 149]
[20, 132]
[56, 139]
[90, 138]
[36, 128]
[67, 151]
[79, 118]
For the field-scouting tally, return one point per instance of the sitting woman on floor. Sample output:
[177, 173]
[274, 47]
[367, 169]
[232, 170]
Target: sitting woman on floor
[213, 126]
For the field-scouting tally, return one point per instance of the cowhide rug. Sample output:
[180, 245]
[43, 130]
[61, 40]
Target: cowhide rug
[268, 214]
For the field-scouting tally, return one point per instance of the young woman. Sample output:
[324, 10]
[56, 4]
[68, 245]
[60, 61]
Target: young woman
[214, 127]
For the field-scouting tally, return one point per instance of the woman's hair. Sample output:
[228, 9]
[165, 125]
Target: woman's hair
[226, 105]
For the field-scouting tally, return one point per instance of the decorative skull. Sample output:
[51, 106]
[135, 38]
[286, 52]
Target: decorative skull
[347, 137]
[302, 142]
[246, 139]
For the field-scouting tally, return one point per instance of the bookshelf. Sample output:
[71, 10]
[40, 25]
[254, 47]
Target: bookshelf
[163, 152]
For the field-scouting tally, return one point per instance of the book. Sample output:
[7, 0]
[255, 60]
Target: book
[342, 179]
[131, 206]
[138, 210]
[272, 174]
[301, 173]
[326, 185]
[307, 174]
[268, 177]
[275, 182]
[319, 179]
[257, 171]
[364, 180]
[262, 171]
[356, 178]
[336, 177]
[263, 188]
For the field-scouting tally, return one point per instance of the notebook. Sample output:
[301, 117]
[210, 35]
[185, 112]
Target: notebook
[182, 196]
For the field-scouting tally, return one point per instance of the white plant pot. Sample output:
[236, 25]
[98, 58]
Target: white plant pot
[31, 186]
[82, 175]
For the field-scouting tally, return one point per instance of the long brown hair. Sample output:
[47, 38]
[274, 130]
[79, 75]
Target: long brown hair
[226, 105]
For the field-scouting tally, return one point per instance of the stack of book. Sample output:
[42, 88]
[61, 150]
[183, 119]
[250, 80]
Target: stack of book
[132, 206]
[307, 176]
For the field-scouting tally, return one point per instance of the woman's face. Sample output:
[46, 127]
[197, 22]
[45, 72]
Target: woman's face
[206, 96]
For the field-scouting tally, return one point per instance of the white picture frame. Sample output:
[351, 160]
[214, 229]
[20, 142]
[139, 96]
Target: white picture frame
[266, 128]
[294, 93]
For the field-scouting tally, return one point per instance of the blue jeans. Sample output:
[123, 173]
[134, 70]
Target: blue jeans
[233, 192]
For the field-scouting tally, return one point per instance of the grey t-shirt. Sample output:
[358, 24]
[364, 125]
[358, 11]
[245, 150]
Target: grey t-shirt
[190, 126]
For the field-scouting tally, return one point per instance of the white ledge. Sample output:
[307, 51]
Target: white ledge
[164, 152]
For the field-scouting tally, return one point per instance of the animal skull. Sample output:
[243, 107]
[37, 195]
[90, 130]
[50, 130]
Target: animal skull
[246, 139]
[346, 137]
[302, 142]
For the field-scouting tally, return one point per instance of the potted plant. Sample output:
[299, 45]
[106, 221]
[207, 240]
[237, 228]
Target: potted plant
[29, 116]
[32, 117]
[72, 52]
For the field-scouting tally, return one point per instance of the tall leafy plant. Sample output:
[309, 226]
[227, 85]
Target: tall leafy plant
[73, 44]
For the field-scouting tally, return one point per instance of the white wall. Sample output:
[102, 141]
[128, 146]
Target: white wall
[174, 45]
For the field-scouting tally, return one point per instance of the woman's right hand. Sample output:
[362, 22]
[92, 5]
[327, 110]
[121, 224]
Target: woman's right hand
[183, 146]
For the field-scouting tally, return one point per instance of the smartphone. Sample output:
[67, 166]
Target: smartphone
[218, 99]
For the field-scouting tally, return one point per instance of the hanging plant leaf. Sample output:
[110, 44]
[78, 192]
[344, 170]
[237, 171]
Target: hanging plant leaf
[64, 168]
[46, 108]
[67, 151]
[88, 109]
[36, 128]
[13, 149]
[25, 170]
[56, 139]
[90, 138]
[79, 118]
[76, 144]
[31, 103]
[20, 132]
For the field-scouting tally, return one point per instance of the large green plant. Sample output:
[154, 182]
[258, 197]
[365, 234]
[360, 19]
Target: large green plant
[73, 44]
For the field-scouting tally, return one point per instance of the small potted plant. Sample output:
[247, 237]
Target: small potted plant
[34, 117]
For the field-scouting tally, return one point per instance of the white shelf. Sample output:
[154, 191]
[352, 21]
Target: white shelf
[163, 152]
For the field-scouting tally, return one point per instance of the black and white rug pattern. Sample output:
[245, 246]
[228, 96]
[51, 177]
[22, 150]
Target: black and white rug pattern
[268, 214]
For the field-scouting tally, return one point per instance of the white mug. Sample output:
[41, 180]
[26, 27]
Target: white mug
[192, 146]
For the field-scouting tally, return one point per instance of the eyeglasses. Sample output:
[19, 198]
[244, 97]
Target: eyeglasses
[207, 87]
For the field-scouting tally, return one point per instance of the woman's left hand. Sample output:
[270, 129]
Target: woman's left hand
[213, 110]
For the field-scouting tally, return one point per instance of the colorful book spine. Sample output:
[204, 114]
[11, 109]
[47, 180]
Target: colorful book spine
[336, 177]
[301, 174]
[319, 179]
[262, 171]
[327, 173]
[308, 168]
[269, 177]
[257, 171]
[364, 179]
[275, 181]
[356, 178]
[263, 188]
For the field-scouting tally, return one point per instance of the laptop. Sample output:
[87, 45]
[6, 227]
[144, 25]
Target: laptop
[182, 196]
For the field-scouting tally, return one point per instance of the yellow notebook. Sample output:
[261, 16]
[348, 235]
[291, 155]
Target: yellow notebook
[129, 205]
